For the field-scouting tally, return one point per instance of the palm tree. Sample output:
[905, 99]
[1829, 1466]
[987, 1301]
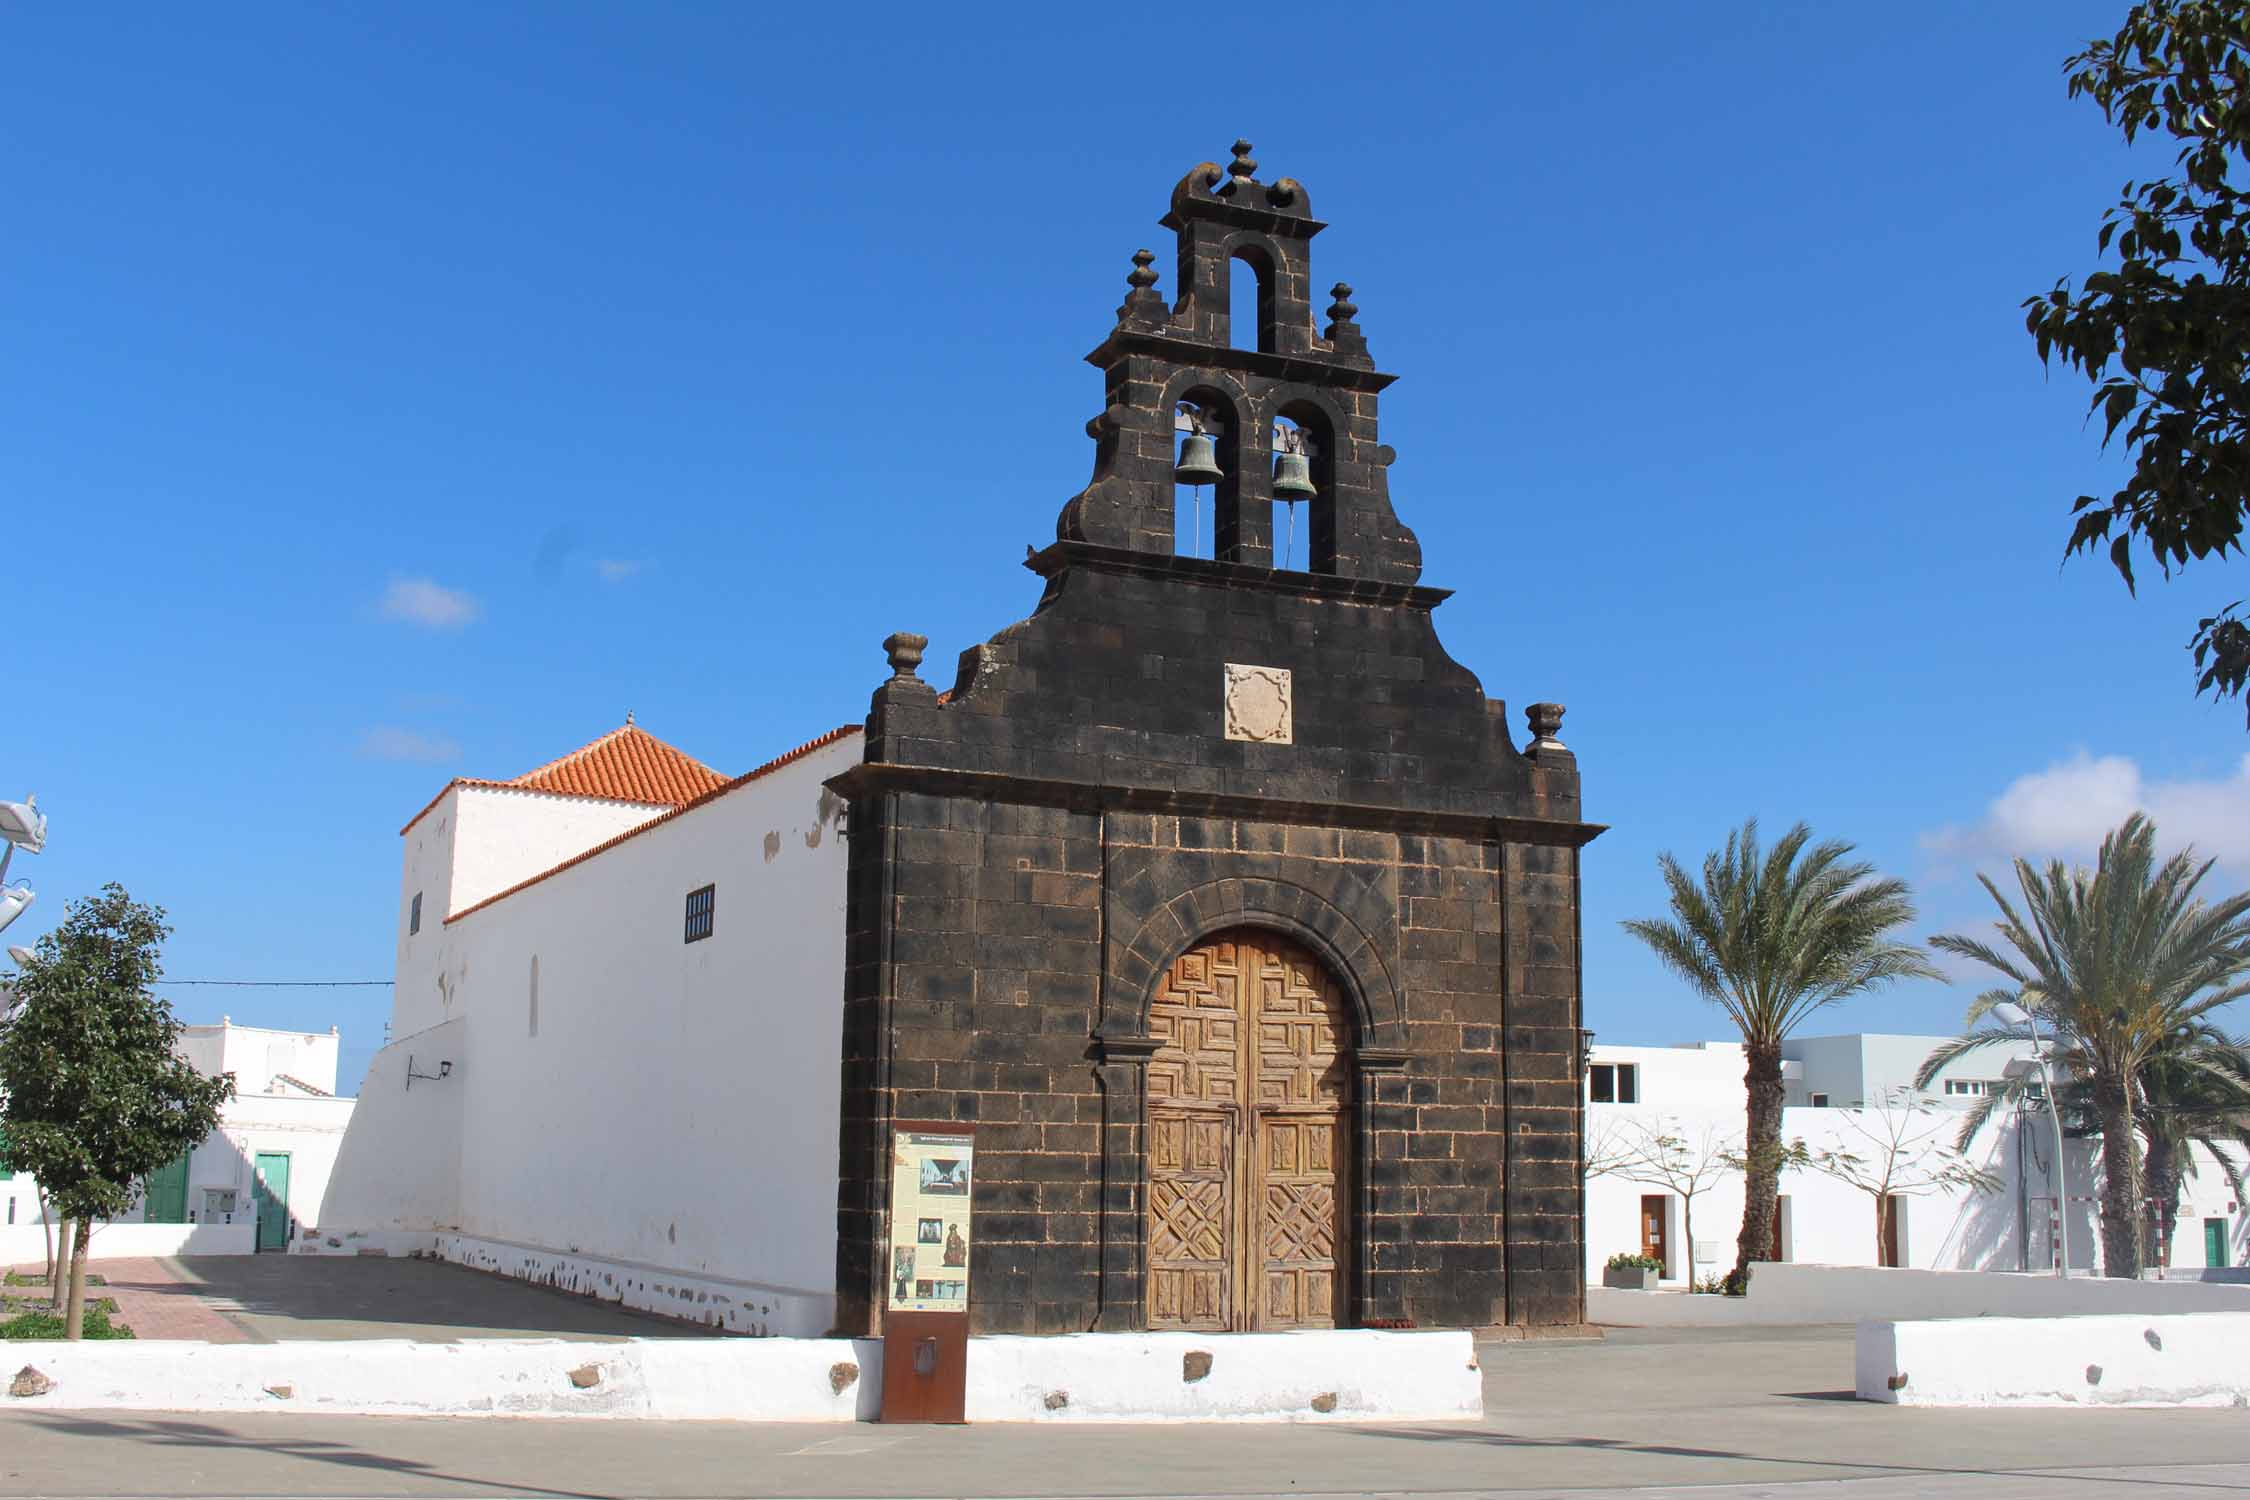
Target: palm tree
[2194, 1092]
[1770, 936]
[2120, 962]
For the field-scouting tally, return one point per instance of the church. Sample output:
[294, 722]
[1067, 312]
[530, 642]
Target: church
[1214, 903]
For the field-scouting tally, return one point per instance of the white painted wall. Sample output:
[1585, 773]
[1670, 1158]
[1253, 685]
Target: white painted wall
[2191, 1360]
[1799, 1294]
[307, 1128]
[1699, 1090]
[256, 1055]
[399, 1166]
[476, 842]
[26, 1244]
[674, 1113]
[1832, 1223]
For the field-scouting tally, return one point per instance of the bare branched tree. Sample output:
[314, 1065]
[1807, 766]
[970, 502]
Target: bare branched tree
[1897, 1150]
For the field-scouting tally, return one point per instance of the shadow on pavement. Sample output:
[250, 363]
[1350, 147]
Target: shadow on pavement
[1489, 1438]
[177, 1434]
[321, 1297]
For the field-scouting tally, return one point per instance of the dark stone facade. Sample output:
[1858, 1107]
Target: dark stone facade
[1030, 851]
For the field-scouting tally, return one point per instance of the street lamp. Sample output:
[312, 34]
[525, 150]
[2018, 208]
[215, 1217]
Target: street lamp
[2012, 1014]
[22, 826]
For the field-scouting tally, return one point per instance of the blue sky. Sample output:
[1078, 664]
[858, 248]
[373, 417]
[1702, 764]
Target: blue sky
[1715, 407]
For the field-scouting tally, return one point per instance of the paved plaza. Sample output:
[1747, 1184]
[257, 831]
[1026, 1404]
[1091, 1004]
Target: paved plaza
[1746, 1413]
[263, 1299]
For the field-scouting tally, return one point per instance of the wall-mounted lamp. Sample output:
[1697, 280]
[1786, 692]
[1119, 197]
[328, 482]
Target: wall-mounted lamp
[1585, 1048]
[444, 1070]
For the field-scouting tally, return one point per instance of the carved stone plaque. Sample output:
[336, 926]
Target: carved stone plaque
[1258, 705]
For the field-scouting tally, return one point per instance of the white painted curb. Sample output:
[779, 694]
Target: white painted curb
[1340, 1376]
[2195, 1359]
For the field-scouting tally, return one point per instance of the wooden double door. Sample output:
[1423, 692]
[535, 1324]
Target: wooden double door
[1249, 1139]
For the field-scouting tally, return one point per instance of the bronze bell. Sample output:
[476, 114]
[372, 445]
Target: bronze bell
[1199, 461]
[1292, 477]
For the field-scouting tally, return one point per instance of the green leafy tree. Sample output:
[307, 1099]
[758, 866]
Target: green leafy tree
[2117, 963]
[2164, 334]
[92, 1094]
[1771, 936]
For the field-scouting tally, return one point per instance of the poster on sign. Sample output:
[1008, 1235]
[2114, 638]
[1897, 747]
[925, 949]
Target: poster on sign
[930, 1175]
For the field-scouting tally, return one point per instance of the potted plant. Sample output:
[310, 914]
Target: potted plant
[1632, 1272]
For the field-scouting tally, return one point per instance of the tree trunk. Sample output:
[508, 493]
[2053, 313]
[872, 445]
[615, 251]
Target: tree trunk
[58, 1278]
[47, 1236]
[1761, 1150]
[2121, 1180]
[1882, 1227]
[1687, 1232]
[2163, 1175]
[74, 1314]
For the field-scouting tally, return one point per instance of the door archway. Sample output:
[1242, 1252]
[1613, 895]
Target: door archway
[1249, 1130]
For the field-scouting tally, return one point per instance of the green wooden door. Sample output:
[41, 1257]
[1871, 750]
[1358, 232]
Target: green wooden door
[271, 1194]
[2214, 1242]
[167, 1193]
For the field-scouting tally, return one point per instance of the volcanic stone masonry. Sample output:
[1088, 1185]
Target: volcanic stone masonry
[1204, 818]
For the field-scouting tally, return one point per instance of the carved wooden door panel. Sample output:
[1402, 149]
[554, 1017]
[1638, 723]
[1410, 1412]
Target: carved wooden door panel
[1248, 1096]
[1191, 1218]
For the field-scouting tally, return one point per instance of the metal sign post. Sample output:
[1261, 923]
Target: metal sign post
[926, 1308]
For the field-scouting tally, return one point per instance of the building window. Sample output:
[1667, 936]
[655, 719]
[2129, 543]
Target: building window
[1974, 1088]
[699, 903]
[1820, 1101]
[1616, 1083]
[414, 915]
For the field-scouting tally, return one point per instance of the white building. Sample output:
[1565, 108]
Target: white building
[618, 1024]
[266, 1165]
[1855, 1094]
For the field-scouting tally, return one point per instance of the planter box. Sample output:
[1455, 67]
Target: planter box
[1631, 1279]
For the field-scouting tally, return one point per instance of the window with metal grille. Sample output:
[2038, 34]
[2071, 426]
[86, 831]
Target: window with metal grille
[414, 915]
[699, 905]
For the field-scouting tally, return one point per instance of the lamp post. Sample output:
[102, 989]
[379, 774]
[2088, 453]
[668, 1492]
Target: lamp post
[22, 826]
[2012, 1014]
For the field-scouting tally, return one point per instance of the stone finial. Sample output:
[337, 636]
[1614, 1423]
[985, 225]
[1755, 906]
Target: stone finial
[1342, 310]
[905, 650]
[1244, 166]
[1546, 724]
[1141, 277]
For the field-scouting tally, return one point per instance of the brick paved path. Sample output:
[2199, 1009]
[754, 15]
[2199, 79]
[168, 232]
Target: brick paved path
[157, 1301]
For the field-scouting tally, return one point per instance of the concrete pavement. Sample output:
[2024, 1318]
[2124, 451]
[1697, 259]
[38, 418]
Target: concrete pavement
[1678, 1409]
[261, 1299]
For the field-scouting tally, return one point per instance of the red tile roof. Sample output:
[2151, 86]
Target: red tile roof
[625, 765]
[771, 766]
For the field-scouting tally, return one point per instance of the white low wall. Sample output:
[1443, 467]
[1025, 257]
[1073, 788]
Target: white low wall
[770, 1380]
[25, 1244]
[714, 1301]
[1343, 1375]
[2200, 1359]
[1340, 1376]
[1786, 1293]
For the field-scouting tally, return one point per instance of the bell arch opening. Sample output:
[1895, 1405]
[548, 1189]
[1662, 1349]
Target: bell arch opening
[1250, 306]
[1313, 436]
[1203, 468]
[1250, 1119]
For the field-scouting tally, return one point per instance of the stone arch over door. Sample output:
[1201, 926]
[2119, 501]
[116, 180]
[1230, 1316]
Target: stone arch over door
[1250, 1095]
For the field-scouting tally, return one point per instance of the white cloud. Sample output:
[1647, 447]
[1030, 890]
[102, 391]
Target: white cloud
[424, 602]
[617, 569]
[2066, 809]
[388, 742]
